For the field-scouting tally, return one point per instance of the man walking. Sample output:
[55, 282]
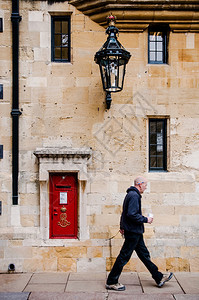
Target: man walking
[132, 226]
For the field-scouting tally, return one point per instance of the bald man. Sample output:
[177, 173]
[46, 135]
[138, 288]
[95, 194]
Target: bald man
[132, 226]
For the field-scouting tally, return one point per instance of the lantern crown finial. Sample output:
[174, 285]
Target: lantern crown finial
[111, 20]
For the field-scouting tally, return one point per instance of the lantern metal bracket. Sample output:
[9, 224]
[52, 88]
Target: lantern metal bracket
[108, 100]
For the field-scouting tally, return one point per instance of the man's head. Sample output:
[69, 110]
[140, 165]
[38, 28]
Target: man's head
[141, 184]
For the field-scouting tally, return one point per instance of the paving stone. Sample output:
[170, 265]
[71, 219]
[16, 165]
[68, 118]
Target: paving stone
[86, 286]
[44, 287]
[14, 296]
[120, 296]
[186, 297]
[87, 276]
[49, 278]
[189, 282]
[68, 296]
[14, 282]
[171, 287]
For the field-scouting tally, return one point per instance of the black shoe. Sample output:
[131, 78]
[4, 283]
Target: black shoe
[165, 278]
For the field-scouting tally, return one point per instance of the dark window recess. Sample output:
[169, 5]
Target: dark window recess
[158, 44]
[60, 42]
[1, 25]
[158, 144]
[0, 207]
[1, 91]
[1, 151]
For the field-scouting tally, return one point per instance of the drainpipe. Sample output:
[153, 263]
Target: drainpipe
[15, 113]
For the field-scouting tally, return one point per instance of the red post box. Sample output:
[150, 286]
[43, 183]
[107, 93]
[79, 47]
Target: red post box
[63, 206]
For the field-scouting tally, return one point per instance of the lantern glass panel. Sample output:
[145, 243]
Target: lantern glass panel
[112, 72]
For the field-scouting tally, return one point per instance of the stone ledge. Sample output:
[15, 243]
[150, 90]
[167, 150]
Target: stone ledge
[136, 15]
[63, 152]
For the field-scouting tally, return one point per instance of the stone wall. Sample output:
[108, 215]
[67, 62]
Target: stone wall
[63, 107]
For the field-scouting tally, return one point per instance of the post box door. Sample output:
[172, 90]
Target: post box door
[63, 205]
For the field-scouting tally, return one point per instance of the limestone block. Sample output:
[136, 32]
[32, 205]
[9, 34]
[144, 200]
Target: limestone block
[18, 252]
[91, 265]
[99, 235]
[35, 16]
[33, 39]
[66, 265]
[37, 82]
[194, 264]
[41, 54]
[170, 187]
[32, 265]
[1, 254]
[189, 220]
[164, 219]
[105, 219]
[49, 265]
[44, 40]
[94, 252]
[68, 252]
[27, 221]
[78, 22]
[177, 264]
[15, 243]
[189, 252]
[83, 39]
[38, 26]
[111, 209]
[94, 209]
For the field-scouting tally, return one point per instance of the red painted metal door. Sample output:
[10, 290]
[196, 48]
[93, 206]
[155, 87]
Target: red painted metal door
[63, 206]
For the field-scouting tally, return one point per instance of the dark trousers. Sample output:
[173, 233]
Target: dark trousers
[133, 241]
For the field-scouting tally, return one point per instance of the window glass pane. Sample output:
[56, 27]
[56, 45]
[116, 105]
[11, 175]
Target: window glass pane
[57, 26]
[65, 53]
[64, 26]
[159, 56]
[152, 56]
[152, 46]
[153, 162]
[64, 40]
[153, 138]
[159, 46]
[160, 162]
[152, 150]
[57, 53]
[152, 36]
[159, 36]
[159, 126]
[57, 40]
[152, 126]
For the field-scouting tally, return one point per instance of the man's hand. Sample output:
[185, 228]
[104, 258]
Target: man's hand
[150, 220]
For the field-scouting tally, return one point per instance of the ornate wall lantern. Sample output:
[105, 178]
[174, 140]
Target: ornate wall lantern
[112, 59]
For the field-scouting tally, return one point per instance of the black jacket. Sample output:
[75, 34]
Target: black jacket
[131, 218]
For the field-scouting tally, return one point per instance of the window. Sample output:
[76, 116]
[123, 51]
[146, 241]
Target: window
[1, 25]
[60, 39]
[157, 45]
[157, 144]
